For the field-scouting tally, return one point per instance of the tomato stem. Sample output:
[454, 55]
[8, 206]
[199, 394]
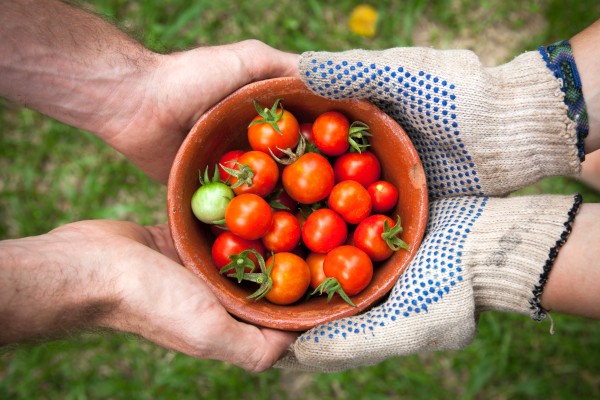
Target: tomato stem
[263, 278]
[239, 263]
[269, 116]
[390, 235]
[244, 174]
[358, 136]
[332, 286]
[206, 179]
[292, 156]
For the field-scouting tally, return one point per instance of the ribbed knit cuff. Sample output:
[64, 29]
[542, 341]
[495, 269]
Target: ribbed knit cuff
[515, 244]
[560, 60]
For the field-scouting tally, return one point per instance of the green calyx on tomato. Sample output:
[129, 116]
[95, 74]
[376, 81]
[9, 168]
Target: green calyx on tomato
[358, 136]
[292, 156]
[239, 263]
[269, 116]
[331, 286]
[390, 235]
[244, 174]
[210, 200]
[263, 278]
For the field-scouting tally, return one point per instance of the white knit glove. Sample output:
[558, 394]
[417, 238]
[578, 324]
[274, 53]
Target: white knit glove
[478, 254]
[479, 132]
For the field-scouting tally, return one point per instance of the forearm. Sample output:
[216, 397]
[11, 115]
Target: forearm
[70, 65]
[586, 52]
[573, 285]
[44, 293]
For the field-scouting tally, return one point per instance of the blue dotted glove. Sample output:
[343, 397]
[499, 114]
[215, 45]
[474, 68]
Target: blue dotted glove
[478, 254]
[480, 133]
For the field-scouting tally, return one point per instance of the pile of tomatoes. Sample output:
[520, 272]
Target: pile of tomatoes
[304, 208]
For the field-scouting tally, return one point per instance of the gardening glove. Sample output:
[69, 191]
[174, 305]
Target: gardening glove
[479, 131]
[478, 254]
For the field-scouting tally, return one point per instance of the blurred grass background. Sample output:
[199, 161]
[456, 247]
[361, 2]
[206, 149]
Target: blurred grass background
[51, 174]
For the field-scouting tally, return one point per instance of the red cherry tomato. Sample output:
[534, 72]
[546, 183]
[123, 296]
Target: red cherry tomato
[248, 216]
[228, 244]
[351, 200]
[315, 264]
[364, 168]
[228, 160]
[284, 234]
[263, 136]
[258, 171]
[291, 278]
[384, 196]
[330, 133]
[306, 131]
[351, 266]
[309, 179]
[367, 237]
[324, 230]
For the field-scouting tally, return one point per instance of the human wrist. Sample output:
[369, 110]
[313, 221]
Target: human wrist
[128, 100]
[586, 55]
[47, 291]
[517, 242]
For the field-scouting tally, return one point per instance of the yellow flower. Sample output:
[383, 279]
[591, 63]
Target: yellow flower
[363, 20]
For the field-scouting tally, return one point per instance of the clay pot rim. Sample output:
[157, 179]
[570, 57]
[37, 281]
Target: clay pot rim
[295, 317]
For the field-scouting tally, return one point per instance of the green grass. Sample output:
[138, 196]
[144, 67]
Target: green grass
[51, 174]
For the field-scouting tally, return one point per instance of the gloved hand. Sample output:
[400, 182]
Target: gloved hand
[479, 132]
[478, 254]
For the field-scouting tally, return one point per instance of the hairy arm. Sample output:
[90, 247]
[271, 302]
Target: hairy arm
[121, 276]
[587, 56]
[588, 61]
[44, 291]
[572, 285]
[79, 69]
[71, 65]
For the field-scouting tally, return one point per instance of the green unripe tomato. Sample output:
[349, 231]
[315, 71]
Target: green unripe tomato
[210, 201]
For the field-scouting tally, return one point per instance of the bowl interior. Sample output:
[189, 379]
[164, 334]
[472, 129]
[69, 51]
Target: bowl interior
[223, 128]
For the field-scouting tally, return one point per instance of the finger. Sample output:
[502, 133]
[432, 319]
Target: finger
[261, 61]
[217, 335]
[163, 242]
[256, 349]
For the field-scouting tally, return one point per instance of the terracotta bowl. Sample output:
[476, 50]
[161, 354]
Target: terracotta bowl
[223, 128]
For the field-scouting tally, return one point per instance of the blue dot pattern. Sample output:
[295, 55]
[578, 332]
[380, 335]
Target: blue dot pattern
[424, 104]
[436, 269]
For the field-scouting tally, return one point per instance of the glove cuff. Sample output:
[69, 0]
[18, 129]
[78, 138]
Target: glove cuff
[560, 60]
[517, 242]
[519, 130]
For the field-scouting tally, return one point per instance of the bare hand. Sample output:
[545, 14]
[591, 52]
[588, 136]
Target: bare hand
[182, 87]
[122, 276]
